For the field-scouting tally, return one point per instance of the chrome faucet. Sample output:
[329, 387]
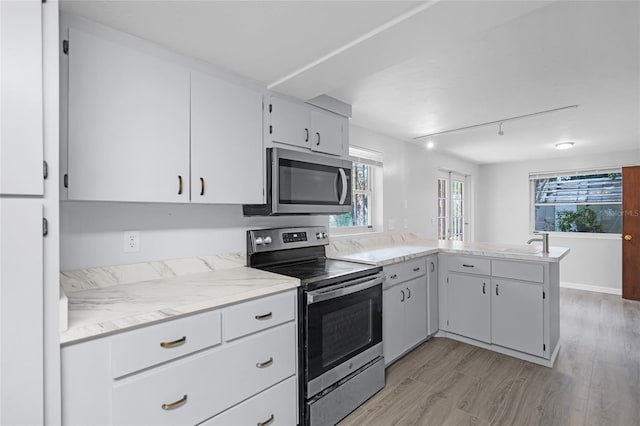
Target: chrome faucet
[544, 238]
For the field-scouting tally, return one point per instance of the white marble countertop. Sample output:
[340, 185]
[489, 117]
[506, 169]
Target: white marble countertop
[407, 249]
[104, 310]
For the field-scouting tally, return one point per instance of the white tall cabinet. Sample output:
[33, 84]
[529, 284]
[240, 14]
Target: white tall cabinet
[29, 261]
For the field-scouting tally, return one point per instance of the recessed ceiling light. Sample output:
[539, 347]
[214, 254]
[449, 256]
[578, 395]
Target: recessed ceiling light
[565, 145]
[430, 145]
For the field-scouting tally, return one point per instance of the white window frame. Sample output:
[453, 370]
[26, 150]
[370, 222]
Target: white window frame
[569, 234]
[374, 160]
[467, 202]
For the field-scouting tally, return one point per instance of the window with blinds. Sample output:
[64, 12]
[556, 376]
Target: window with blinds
[586, 201]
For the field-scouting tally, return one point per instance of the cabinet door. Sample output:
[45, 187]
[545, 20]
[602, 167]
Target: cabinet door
[517, 316]
[393, 323]
[326, 131]
[21, 111]
[289, 122]
[469, 306]
[226, 142]
[21, 298]
[432, 295]
[128, 124]
[415, 311]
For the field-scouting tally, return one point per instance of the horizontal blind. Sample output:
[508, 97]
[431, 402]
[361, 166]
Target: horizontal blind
[548, 175]
[365, 156]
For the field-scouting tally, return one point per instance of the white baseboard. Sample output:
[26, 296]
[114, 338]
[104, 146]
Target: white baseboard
[594, 288]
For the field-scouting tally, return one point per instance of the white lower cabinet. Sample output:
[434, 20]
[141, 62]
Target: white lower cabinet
[404, 321]
[432, 294]
[272, 407]
[198, 383]
[469, 306]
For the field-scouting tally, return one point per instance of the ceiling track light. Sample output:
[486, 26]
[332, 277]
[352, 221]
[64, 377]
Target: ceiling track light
[499, 122]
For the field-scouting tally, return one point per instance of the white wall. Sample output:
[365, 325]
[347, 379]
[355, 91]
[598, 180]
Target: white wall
[92, 232]
[410, 174]
[503, 212]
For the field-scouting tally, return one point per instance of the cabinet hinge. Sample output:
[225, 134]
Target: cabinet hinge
[544, 295]
[270, 107]
[45, 227]
[270, 129]
[447, 280]
[66, 181]
[65, 47]
[447, 323]
[45, 170]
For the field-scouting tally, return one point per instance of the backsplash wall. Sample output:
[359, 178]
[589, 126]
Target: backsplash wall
[91, 233]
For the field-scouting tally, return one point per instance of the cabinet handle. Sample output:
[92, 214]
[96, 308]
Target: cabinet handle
[433, 267]
[306, 137]
[497, 293]
[468, 266]
[265, 364]
[409, 293]
[176, 404]
[318, 141]
[179, 185]
[175, 343]
[484, 288]
[267, 422]
[201, 186]
[394, 276]
[264, 316]
[402, 291]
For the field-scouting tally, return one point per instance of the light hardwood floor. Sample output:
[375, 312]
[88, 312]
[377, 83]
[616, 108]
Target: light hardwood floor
[595, 381]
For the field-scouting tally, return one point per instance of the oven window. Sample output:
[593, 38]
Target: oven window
[341, 328]
[308, 183]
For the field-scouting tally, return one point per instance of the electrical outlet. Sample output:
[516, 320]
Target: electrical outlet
[391, 225]
[131, 241]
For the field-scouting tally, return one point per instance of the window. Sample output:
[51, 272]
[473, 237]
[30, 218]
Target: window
[451, 206]
[586, 201]
[366, 178]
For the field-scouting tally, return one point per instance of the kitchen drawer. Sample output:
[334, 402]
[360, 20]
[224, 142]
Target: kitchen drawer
[404, 271]
[275, 406]
[469, 265]
[518, 270]
[249, 317]
[148, 346]
[211, 381]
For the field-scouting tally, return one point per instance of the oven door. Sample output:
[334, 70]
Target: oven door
[303, 182]
[343, 330]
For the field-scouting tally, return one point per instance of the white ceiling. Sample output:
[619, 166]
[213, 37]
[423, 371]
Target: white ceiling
[414, 68]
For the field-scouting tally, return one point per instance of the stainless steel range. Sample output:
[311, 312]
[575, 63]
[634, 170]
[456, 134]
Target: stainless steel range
[340, 317]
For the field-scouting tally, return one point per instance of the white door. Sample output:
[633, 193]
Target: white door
[326, 132]
[469, 306]
[21, 140]
[517, 316]
[21, 314]
[226, 142]
[453, 206]
[415, 309]
[432, 294]
[289, 122]
[128, 124]
[393, 323]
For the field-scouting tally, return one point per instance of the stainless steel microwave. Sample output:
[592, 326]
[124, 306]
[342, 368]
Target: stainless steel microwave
[304, 183]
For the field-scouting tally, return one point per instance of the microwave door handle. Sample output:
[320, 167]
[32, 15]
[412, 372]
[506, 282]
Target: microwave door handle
[343, 193]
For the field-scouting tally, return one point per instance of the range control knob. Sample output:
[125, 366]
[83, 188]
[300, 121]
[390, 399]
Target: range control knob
[259, 241]
[324, 235]
[318, 235]
[267, 240]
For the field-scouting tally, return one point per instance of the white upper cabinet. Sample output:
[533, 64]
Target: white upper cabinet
[226, 142]
[326, 132]
[128, 124]
[302, 125]
[21, 140]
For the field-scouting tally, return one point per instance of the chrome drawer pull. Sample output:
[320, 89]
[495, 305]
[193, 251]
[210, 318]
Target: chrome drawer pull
[174, 405]
[467, 266]
[265, 364]
[175, 343]
[267, 422]
[416, 269]
[264, 316]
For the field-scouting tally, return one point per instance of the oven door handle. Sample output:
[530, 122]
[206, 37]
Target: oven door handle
[343, 290]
